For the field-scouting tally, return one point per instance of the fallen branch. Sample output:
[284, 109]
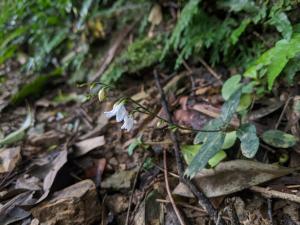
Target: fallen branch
[275, 194]
[202, 199]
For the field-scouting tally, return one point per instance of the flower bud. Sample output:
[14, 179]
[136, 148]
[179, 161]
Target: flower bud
[102, 94]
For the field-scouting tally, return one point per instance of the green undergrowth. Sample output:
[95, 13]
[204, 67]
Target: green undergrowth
[139, 55]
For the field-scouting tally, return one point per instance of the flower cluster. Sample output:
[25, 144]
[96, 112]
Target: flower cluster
[121, 114]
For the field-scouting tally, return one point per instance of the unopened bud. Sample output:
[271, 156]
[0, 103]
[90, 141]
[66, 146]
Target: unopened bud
[102, 94]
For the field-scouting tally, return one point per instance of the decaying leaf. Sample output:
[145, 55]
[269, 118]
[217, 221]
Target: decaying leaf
[85, 146]
[233, 176]
[279, 139]
[9, 158]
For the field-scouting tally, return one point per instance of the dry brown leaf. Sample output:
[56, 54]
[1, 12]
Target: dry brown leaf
[233, 176]
[9, 158]
[85, 146]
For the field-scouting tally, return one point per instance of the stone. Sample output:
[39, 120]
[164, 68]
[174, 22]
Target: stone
[75, 205]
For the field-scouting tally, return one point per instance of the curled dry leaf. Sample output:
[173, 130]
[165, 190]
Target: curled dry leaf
[233, 176]
[87, 145]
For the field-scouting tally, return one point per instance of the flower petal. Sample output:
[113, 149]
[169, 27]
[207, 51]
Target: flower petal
[128, 123]
[114, 111]
[121, 113]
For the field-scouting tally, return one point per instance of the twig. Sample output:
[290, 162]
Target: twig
[282, 112]
[132, 191]
[275, 194]
[178, 214]
[202, 199]
[212, 72]
[270, 211]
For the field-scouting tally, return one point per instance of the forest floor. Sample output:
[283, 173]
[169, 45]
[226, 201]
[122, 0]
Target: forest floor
[73, 166]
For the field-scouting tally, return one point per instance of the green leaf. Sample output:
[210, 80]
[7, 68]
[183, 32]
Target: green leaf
[249, 140]
[214, 124]
[210, 147]
[189, 152]
[217, 158]
[279, 139]
[136, 142]
[230, 86]
[273, 61]
[230, 106]
[234, 37]
[282, 24]
[20, 133]
[229, 140]
[245, 102]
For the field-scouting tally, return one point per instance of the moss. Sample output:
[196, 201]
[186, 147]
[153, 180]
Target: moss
[140, 54]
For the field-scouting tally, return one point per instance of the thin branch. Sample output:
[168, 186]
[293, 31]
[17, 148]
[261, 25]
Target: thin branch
[132, 191]
[212, 72]
[178, 214]
[202, 199]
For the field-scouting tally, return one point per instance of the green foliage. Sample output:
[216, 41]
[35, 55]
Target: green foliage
[273, 61]
[213, 142]
[141, 54]
[279, 139]
[230, 86]
[189, 152]
[249, 140]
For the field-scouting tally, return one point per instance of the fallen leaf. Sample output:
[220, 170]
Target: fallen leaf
[9, 158]
[87, 145]
[233, 176]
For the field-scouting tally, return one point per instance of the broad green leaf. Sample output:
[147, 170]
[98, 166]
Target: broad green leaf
[189, 152]
[214, 161]
[229, 140]
[20, 133]
[210, 147]
[249, 140]
[214, 124]
[274, 60]
[245, 102]
[279, 139]
[229, 108]
[230, 86]
[282, 24]
[136, 142]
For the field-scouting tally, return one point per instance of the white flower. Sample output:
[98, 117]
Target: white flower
[128, 123]
[121, 114]
[118, 110]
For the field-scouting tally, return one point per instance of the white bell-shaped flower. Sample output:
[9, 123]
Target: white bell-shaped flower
[128, 123]
[118, 110]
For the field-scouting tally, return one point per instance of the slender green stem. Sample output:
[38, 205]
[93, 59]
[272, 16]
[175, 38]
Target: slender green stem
[164, 120]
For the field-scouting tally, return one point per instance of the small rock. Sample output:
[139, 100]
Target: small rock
[119, 180]
[117, 203]
[113, 161]
[74, 205]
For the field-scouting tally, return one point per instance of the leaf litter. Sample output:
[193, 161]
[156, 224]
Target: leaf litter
[72, 166]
